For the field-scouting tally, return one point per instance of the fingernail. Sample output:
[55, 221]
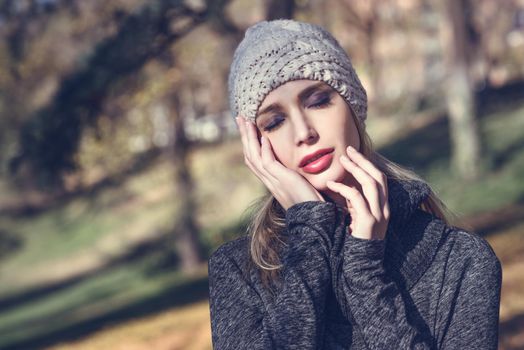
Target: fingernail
[262, 140]
[344, 158]
[351, 149]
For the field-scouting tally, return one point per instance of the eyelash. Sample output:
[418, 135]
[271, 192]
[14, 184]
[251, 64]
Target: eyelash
[324, 101]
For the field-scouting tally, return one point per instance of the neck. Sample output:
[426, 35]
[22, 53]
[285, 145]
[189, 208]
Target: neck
[335, 198]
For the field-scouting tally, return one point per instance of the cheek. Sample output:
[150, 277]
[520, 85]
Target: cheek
[351, 135]
[355, 135]
[282, 151]
[352, 139]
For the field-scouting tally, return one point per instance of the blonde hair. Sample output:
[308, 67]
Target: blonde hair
[268, 216]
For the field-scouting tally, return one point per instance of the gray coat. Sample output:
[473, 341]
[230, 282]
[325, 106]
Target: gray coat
[426, 286]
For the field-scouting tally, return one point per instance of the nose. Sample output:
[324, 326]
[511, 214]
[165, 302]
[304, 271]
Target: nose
[304, 131]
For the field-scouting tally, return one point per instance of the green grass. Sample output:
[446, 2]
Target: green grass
[106, 293]
[503, 135]
[65, 231]
[494, 190]
[58, 233]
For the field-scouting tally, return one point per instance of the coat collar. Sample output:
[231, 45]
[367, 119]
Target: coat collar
[413, 236]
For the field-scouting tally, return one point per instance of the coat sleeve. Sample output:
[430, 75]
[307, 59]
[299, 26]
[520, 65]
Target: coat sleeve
[468, 315]
[295, 320]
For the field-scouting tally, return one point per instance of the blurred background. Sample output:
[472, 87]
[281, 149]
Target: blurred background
[121, 169]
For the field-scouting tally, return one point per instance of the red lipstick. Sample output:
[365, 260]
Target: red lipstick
[317, 161]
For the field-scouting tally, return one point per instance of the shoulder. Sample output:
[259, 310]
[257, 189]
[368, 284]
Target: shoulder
[231, 255]
[235, 249]
[429, 245]
[472, 250]
[458, 243]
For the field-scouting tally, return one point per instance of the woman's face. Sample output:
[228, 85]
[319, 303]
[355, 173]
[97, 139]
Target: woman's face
[308, 119]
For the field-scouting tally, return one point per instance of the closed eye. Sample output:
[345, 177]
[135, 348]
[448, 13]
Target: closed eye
[321, 100]
[274, 123]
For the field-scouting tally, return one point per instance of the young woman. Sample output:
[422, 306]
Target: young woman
[349, 250]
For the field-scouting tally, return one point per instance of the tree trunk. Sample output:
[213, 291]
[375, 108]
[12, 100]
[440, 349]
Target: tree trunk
[373, 65]
[460, 99]
[280, 9]
[464, 129]
[186, 232]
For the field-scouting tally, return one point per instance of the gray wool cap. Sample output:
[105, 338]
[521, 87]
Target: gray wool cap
[275, 52]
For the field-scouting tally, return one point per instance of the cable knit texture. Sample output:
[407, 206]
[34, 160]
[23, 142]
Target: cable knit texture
[426, 286]
[275, 52]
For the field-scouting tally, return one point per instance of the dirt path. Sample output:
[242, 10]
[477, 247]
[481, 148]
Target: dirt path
[509, 247]
[185, 328]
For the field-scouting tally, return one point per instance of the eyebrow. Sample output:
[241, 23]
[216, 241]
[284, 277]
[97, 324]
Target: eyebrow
[302, 96]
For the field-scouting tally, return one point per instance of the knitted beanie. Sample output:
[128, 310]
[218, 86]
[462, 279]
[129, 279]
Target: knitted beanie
[275, 52]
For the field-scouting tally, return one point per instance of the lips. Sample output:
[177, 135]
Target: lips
[317, 161]
[314, 156]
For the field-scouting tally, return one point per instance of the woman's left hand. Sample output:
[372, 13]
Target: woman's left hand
[367, 205]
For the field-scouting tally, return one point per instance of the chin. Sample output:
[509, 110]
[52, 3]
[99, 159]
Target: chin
[334, 173]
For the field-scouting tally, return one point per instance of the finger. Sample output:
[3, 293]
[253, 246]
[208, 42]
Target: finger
[241, 122]
[252, 147]
[249, 159]
[269, 162]
[263, 159]
[372, 170]
[253, 142]
[351, 194]
[269, 165]
[368, 184]
[241, 129]
[269, 181]
[243, 137]
[354, 197]
[254, 169]
[378, 175]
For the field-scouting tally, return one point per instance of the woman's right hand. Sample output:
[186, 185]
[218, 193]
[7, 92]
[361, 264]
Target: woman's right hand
[286, 185]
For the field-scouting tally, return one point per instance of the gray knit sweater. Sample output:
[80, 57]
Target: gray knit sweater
[426, 286]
